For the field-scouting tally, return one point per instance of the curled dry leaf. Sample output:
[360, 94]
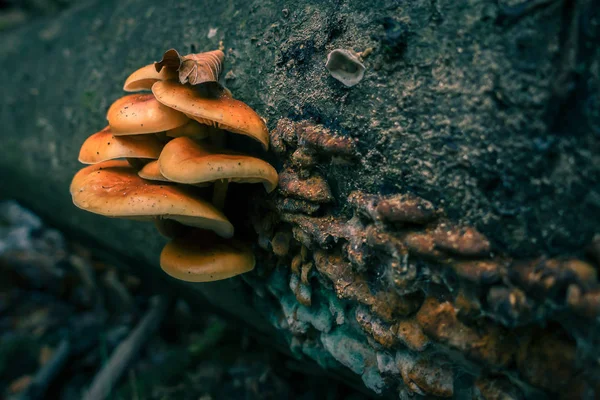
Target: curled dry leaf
[193, 68]
[200, 68]
[171, 60]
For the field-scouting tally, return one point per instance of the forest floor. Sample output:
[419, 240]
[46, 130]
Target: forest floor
[64, 314]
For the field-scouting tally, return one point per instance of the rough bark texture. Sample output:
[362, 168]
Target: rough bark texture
[430, 232]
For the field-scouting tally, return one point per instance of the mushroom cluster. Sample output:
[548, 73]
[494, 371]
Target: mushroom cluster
[163, 155]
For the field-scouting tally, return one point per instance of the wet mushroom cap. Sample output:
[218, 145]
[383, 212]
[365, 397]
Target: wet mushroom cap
[103, 145]
[140, 113]
[209, 108]
[113, 189]
[185, 161]
[205, 258]
[145, 77]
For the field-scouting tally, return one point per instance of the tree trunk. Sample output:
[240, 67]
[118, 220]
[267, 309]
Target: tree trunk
[434, 227]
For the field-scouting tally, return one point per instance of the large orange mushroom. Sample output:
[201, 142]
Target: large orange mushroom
[184, 160]
[113, 189]
[159, 137]
[213, 108]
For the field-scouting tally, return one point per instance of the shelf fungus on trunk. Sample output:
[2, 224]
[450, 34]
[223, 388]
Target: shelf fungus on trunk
[159, 135]
[431, 297]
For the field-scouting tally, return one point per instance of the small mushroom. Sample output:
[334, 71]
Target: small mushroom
[151, 172]
[345, 66]
[113, 189]
[103, 146]
[202, 257]
[185, 161]
[136, 114]
[214, 109]
[144, 78]
[193, 68]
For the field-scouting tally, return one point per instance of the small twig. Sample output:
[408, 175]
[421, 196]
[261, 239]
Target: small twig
[47, 373]
[126, 351]
[88, 277]
[113, 283]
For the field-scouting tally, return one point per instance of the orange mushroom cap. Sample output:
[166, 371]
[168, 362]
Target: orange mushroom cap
[113, 189]
[145, 77]
[151, 172]
[203, 257]
[136, 114]
[185, 161]
[209, 108]
[103, 145]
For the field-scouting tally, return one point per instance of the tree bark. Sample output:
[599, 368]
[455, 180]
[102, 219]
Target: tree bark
[435, 230]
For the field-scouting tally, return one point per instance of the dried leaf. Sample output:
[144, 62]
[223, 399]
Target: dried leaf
[202, 67]
[171, 59]
[193, 68]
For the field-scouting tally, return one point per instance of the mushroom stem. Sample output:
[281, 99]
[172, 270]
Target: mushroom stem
[168, 228]
[219, 193]
[136, 163]
[217, 137]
